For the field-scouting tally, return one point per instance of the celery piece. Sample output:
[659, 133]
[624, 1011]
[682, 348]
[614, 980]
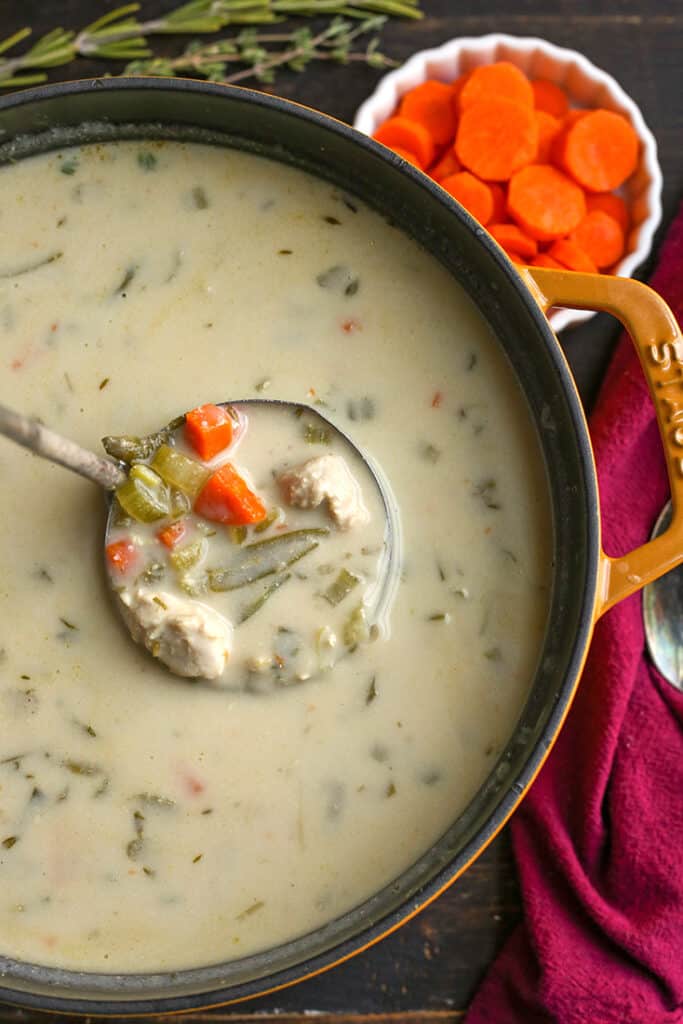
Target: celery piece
[341, 588]
[356, 629]
[179, 471]
[189, 555]
[237, 534]
[144, 495]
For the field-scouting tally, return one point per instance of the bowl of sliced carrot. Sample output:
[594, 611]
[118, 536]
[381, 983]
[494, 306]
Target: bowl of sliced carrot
[546, 151]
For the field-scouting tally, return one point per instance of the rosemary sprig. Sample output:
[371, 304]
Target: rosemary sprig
[263, 53]
[119, 35]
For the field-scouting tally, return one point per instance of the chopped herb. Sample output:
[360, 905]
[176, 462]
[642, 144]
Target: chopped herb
[154, 800]
[152, 573]
[103, 383]
[510, 554]
[332, 220]
[208, 810]
[486, 491]
[10, 841]
[199, 197]
[126, 280]
[27, 268]
[316, 435]
[81, 767]
[429, 452]
[162, 604]
[493, 654]
[36, 794]
[339, 279]
[146, 160]
[341, 587]
[461, 592]
[349, 205]
[285, 252]
[439, 617]
[134, 848]
[195, 860]
[65, 622]
[379, 753]
[69, 166]
[263, 384]
[372, 691]
[361, 409]
[24, 676]
[441, 571]
[390, 790]
[250, 910]
[430, 777]
[472, 361]
[150, 872]
[102, 788]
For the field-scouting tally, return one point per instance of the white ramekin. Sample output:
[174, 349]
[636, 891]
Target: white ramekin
[586, 86]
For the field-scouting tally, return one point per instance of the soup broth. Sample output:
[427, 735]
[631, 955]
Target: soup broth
[152, 823]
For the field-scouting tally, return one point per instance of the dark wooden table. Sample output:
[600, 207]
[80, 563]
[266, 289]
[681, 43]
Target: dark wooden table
[430, 968]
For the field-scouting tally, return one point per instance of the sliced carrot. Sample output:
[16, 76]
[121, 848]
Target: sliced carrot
[122, 556]
[543, 260]
[408, 135]
[496, 137]
[172, 534]
[549, 97]
[471, 193]
[549, 128]
[497, 81]
[574, 115]
[512, 239]
[611, 204]
[601, 238]
[431, 105]
[600, 151]
[545, 202]
[405, 154]
[447, 165]
[208, 429]
[457, 86]
[571, 256]
[500, 204]
[227, 498]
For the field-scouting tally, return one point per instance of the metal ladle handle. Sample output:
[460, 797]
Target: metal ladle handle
[31, 433]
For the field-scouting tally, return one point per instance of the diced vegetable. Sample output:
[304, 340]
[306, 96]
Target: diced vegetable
[431, 105]
[144, 495]
[600, 150]
[496, 137]
[209, 429]
[122, 556]
[342, 587]
[356, 629]
[601, 238]
[130, 449]
[179, 471]
[189, 556]
[545, 202]
[173, 534]
[407, 134]
[491, 81]
[264, 558]
[227, 498]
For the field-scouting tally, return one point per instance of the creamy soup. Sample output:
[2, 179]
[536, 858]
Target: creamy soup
[150, 822]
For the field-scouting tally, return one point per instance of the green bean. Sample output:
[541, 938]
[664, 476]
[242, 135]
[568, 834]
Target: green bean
[265, 558]
[258, 603]
[128, 448]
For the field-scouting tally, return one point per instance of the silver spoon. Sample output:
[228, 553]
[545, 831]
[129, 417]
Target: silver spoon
[663, 615]
[109, 474]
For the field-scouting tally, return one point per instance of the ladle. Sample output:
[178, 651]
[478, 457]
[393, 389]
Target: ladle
[109, 474]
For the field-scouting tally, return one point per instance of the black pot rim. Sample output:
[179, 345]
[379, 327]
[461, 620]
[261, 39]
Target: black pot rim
[516, 787]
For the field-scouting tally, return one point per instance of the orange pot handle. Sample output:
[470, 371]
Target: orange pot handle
[659, 344]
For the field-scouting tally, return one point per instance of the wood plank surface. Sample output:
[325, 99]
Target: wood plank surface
[428, 971]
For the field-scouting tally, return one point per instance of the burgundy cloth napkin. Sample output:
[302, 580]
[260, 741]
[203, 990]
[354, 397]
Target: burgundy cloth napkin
[599, 838]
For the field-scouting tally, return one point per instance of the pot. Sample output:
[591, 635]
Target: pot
[587, 582]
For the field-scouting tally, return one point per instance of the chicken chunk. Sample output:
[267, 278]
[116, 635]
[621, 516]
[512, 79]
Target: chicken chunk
[326, 478]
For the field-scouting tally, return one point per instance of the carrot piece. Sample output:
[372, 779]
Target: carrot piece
[410, 135]
[549, 97]
[549, 128]
[601, 238]
[543, 260]
[405, 154]
[574, 115]
[500, 205]
[172, 534]
[571, 256]
[208, 429]
[545, 202]
[512, 239]
[122, 556]
[471, 193]
[457, 86]
[447, 165]
[227, 498]
[611, 204]
[496, 137]
[495, 81]
[431, 105]
[600, 151]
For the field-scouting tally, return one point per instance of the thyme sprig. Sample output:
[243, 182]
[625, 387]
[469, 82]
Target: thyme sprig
[119, 35]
